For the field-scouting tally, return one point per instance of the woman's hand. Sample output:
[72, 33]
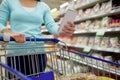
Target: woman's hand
[67, 30]
[19, 38]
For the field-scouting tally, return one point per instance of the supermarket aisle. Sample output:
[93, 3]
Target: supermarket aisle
[93, 52]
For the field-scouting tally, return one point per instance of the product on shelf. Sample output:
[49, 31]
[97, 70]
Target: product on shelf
[114, 42]
[87, 24]
[114, 23]
[82, 40]
[97, 41]
[74, 40]
[91, 41]
[88, 12]
[92, 25]
[109, 5]
[96, 8]
[82, 26]
[85, 40]
[105, 22]
[103, 7]
[80, 13]
[105, 42]
[97, 24]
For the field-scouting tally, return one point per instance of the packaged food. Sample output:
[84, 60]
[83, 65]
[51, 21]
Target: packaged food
[91, 41]
[109, 5]
[97, 24]
[80, 40]
[105, 42]
[74, 40]
[96, 8]
[92, 25]
[82, 26]
[87, 24]
[85, 40]
[88, 12]
[80, 13]
[77, 18]
[105, 22]
[114, 42]
[119, 23]
[112, 24]
[97, 41]
[76, 27]
[92, 12]
[102, 9]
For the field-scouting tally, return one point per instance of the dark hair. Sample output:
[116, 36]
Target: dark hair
[38, 0]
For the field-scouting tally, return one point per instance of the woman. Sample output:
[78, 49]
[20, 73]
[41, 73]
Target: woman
[26, 18]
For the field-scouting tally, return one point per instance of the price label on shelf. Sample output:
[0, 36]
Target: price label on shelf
[100, 32]
[87, 49]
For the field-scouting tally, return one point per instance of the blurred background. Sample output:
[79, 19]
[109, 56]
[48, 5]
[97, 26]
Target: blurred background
[53, 3]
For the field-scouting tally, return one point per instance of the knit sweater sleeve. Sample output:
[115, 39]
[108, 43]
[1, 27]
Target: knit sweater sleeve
[49, 22]
[4, 14]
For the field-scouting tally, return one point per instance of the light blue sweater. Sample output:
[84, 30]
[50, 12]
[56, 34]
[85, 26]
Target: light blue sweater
[28, 23]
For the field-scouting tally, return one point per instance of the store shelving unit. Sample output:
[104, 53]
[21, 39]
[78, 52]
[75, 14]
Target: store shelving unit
[103, 14]
[114, 11]
[89, 4]
[109, 30]
[93, 32]
[115, 50]
[106, 68]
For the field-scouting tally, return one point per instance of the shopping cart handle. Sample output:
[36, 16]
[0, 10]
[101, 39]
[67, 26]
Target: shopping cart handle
[34, 39]
[43, 39]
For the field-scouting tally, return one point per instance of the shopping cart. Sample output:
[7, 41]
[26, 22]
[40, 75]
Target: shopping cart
[15, 56]
[62, 63]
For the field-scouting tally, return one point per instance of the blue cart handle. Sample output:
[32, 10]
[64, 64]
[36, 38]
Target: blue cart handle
[33, 39]
[18, 74]
[86, 55]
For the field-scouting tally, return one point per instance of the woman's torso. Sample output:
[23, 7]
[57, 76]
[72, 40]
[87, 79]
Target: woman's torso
[22, 21]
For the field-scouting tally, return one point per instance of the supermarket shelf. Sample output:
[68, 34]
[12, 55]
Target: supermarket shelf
[89, 4]
[96, 30]
[104, 68]
[108, 13]
[95, 48]
[86, 5]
